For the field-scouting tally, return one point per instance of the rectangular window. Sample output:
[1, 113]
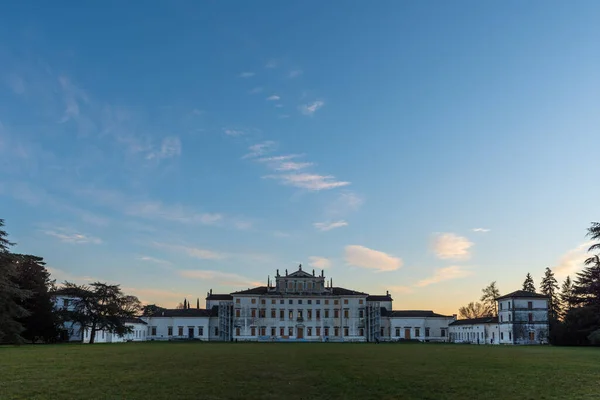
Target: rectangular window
[326, 302]
[444, 332]
[180, 330]
[65, 303]
[417, 332]
[216, 331]
[200, 331]
[254, 313]
[253, 331]
[300, 301]
[318, 301]
[501, 304]
[237, 312]
[509, 307]
[530, 305]
[291, 331]
[263, 331]
[281, 331]
[532, 336]
[318, 314]
[530, 317]
[263, 301]
[309, 314]
[290, 285]
[382, 332]
[346, 313]
[291, 302]
[273, 331]
[397, 331]
[291, 314]
[360, 301]
[336, 313]
[318, 331]
[327, 313]
[262, 313]
[153, 331]
[346, 332]
[336, 331]
[361, 332]
[281, 301]
[237, 301]
[345, 301]
[272, 301]
[426, 332]
[326, 331]
[299, 314]
[509, 335]
[309, 331]
[281, 314]
[237, 331]
[309, 301]
[170, 331]
[253, 301]
[361, 313]
[273, 313]
[336, 302]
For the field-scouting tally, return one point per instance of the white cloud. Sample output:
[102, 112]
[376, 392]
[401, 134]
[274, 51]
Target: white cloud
[319, 262]
[311, 108]
[345, 203]
[72, 237]
[246, 74]
[222, 278]
[309, 181]
[295, 73]
[170, 147]
[572, 261]
[482, 230]
[155, 260]
[273, 98]
[280, 158]
[444, 274]
[233, 132]
[256, 90]
[327, 226]
[363, 257]
[449, 246]
[292, 166]
[195, 252]
[259, 149]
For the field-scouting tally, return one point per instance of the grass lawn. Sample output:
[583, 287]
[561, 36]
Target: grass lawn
[297, 371]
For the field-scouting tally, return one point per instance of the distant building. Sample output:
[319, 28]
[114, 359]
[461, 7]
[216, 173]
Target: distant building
[483, 330]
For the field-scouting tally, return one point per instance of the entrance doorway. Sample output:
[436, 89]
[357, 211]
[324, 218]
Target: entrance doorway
[300, 334]
[191, 333]
[407, 333]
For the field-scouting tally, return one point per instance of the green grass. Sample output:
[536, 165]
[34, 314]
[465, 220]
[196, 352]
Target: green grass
[297, 371]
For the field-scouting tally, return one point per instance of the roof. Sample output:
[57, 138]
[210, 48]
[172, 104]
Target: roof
[219, 297]
[522, 293]
[415, 314]
[256, 290]
[475, 321]
[188, 312]
[133, 321]
[339, 291]
[377, 297]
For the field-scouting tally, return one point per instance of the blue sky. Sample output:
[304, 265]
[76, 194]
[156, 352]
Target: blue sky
[426, 149]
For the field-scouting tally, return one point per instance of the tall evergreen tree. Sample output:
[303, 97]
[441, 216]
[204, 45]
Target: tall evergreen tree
[185, 304]
[490, 294]
[42, 323]
[528, 285]
[549, 287]
[587, 285]
[567, 297]
[198, 303]
[11, 295]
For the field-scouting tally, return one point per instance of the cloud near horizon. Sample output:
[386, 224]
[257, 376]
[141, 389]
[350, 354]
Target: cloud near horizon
[319, 262]
[363, 257]
[67, 236]
[573, 260]
[444, 274]
[449, 246]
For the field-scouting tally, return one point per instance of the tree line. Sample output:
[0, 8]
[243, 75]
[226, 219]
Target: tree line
[27, 311]
[573, 307]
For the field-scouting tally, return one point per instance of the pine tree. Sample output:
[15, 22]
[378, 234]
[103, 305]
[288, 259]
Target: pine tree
[490, 294]
[587, 286]
[198, 303]
[549, 287]
[567, 297]
[528, 285]
[185, 306]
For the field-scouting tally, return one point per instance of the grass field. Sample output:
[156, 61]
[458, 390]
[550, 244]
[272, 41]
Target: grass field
[297, 371]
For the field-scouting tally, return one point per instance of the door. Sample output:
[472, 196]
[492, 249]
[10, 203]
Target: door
[300, 334]
[407, 333]
[191, 333]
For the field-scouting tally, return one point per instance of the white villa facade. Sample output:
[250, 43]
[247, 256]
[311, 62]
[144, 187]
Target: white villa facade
[305, 307]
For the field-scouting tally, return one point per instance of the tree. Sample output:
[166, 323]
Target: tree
[587, 285]
[490, 294]
[528, 285]
[198, 303]
[472, 310]
[32, 275]
[567, 297]
[185, 304]
[594, 234]
[150, 309]
[11, 296]
[100, 306]
[180, 306]
[549, 287]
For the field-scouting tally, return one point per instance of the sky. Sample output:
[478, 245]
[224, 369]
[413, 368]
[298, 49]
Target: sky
[425, 148]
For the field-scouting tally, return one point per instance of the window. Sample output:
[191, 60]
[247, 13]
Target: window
[530, 305]
[290, 285]
[253, 331]
[336, 331]
[273, 313]
[281, 314]
[300, 301]
[65, 303]
[153, 331]
[281, 301]
[318, 331]
[291, 314]
[273, 331]
[102, 334]
[346, 332]
[170, 331]
[532, 336]
[309, 331]
[291, 331]
[361, 313]
[180, 330]
[501, 304]
[336, 313]
[200, 331]
[327, 313]
[417, 332]
[509, 317]
[361, 332]
[444, 332]
[253, 301]
[326, 302]
[346, 313]
[263, 301]
[318, 314]
[509, 335]
[309, 301]
[262, 313]
[530, 317]
[281, 331]
[509, 305]
[263, 331]
[397, 331]
[237, 331]
[272, 301]
[237, 312]
[382, 332]
[216, 331]
[299, 314]
[360, 301]
[426, 332]
[291, 301]
[254, 313]
[326, 331]
[318, 301]
[237, 301]
[309, 314]
[336, 302]
[345, 301]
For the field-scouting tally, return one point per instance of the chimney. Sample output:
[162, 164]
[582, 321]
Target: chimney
[277, 271]
[286, 274]
[211, 292]
[387, 292]
[300, 267]
[454, 316]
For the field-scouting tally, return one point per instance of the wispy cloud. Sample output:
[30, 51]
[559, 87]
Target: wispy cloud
[273, 97]
[449, 246]
[72, 96]
[233, 132]
[260, 149]
[155, 260]
[482, 230]
[319, 262]
[444, 274]
[344, 204]
[311, 108]
[292, 166]
[67, 236]
[195, 252]
[246, 75]
[222, 278]
[170, 147]
[572, 261]
[277, 159]
[363, 257]
[327, 226]
[313, 182]
[295, 73]
[256, 90]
